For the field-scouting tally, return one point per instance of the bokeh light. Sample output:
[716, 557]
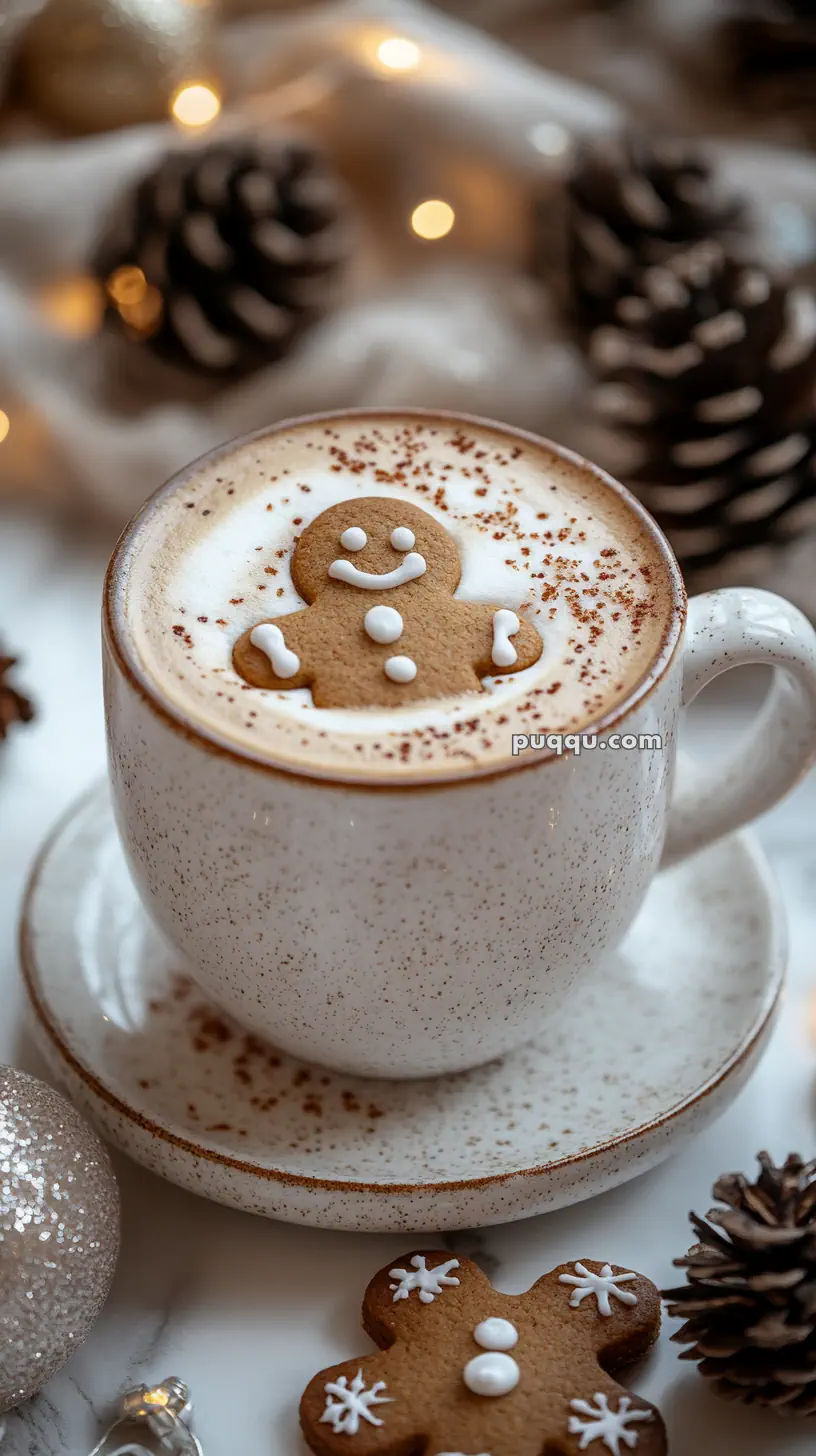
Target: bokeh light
[5, 425]
[127, 285]
[433, 219]
[399, 54]
[550, 139]
[139, 303]
[73, 306]
[143, 317]
[195, 104]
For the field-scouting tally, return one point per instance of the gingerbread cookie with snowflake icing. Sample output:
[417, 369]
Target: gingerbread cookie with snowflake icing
[382, 628]
[465, 1371]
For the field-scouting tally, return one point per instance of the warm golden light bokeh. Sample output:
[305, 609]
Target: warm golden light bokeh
[433, 219]
[73, 306]
[144, 315]
[156, 1397]
[5, 425]
[399, 54]
[195, 104]
[127, 285]
[139, 304]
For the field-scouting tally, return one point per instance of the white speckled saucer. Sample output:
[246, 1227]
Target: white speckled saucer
[640, 1059]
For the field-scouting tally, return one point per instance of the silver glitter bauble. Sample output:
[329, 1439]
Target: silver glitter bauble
[59, 1233]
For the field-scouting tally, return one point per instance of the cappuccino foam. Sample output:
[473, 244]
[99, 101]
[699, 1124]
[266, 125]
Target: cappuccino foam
[537, 534]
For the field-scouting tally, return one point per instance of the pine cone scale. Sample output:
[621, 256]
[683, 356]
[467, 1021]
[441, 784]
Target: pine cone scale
[740, 1226]
[777, 1279]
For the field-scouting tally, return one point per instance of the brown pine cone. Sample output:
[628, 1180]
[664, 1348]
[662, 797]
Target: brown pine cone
[225, 252]
[631, 202]
[14, 708]
[750, 1300]
[710, 374]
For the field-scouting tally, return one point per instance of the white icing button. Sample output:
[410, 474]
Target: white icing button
[496, 1334]
[492, 1374]
[401, 669]
[354, 539]
[402, 539]
[383, 624]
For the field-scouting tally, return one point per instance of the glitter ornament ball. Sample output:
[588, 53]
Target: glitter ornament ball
[59, 1233]
[92, 65]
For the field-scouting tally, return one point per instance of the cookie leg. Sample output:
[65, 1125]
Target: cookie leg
[359, 1399]
[612, 1419]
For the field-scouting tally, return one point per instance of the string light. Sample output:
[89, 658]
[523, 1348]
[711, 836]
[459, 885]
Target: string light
[73, 306]
[433, 219]
[144, 316]
[399, 54]
[127, 286]
[156, 1397]
[5, 425]
[140, 305]
[195, 104]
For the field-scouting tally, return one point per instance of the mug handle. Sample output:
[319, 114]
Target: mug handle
[732, 628]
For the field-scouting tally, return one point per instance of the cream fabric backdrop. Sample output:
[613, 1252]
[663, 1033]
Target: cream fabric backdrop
[454, 324]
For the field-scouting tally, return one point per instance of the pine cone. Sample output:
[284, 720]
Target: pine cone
[225, 252]
[14, 708]
[750, 1300]
[770, 45]
[711, 374]
[631, 202]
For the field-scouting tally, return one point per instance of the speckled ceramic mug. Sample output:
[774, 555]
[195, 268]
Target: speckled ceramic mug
[411, 928]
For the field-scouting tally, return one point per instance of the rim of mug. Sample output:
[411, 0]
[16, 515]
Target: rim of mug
[128, 665]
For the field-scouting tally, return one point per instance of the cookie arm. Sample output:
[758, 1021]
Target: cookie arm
[612, 1311]
[493, 630]
[417, 1294]
[288, 642]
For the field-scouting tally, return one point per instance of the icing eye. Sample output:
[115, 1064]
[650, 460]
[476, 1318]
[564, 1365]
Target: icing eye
[402, 539]
[354, 539]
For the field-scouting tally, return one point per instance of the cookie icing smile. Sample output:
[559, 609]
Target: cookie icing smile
[409, 569]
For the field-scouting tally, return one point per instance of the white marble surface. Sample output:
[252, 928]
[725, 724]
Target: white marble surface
[246, 1310]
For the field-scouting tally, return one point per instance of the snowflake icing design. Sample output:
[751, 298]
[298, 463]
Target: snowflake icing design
[601, 1285]
[348, 1403]
[429, 1282]
[606, 1425]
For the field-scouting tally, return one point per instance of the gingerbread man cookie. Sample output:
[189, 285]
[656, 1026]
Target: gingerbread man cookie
[465, 1371]
[383, 628]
